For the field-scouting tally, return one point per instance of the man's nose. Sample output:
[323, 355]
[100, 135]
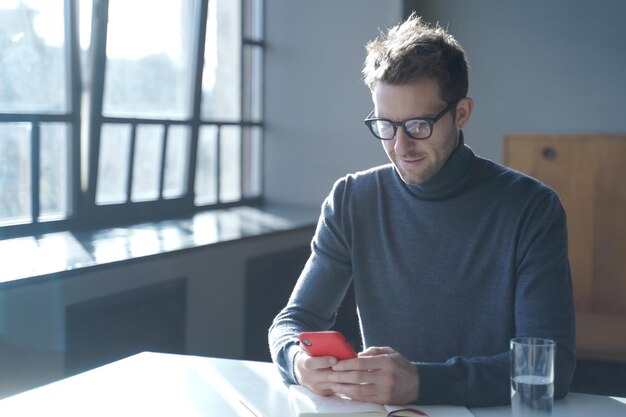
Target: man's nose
[404, 143]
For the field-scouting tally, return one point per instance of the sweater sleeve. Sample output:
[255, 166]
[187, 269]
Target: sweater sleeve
[320, 288]
[544, 307]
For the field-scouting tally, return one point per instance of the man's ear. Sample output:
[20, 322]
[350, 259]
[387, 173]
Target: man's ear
[463, 112]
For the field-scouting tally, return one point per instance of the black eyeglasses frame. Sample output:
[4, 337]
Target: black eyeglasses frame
[369, 120]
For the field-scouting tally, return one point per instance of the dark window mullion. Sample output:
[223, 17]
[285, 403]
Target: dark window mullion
[200, 37]
[164, 144]
[242, 160]
[218, 164]
[35, 169]
[260, 171]
[40, 117]
[249, 47]
[75, 92]
[131, 162]
[98, 68]
[245, 87]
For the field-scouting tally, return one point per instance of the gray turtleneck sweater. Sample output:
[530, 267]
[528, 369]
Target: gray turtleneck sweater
[445, 272]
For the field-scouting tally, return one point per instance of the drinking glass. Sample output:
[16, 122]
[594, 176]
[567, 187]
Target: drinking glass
[532, 376]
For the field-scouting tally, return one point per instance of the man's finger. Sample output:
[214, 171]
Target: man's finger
[352, 377]
[362, 392]
[363, 363]
[375, 350]
[323, 388]
[321, 362]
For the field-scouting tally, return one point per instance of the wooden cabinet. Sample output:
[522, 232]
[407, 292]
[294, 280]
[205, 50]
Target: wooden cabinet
[589, 174]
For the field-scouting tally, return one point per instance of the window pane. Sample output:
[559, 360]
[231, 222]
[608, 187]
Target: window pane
[85, 16]
[32, 64]
[148, 58]
[15, 178]
[206, 166]
[253, 83]
[252, 162]
[176, 161]
[54, 175]
[221, 85]
[254, 19]
[230, 164]
[113, 164]
[147, 163]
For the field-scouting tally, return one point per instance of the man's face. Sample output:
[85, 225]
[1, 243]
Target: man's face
[417, 161]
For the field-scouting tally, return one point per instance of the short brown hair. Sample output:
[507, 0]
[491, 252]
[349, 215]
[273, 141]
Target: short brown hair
[413, 50]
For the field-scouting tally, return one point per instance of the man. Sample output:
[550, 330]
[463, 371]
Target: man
[451, 255]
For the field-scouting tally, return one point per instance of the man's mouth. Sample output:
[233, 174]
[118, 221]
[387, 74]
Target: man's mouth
[412, 160]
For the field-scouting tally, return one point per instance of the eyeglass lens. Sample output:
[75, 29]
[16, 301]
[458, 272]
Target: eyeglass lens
[416, 128]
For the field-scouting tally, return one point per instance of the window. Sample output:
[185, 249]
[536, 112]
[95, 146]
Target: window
[39, 123]
[117, 111]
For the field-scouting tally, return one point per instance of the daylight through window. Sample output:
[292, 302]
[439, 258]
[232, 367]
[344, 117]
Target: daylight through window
[117, 111]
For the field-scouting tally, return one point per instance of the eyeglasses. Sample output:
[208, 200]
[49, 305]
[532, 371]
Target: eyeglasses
[419, 128]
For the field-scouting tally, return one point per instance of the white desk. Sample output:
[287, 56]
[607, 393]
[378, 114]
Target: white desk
[157, 384]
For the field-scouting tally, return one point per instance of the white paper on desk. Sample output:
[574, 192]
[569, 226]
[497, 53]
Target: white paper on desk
[306, 403]
[437, 410]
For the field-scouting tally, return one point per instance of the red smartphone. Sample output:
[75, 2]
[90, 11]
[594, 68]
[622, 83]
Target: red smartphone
[329, 343]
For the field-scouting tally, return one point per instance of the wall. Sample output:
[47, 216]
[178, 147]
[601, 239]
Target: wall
[536, 66]
[315, 101]
[539, 66]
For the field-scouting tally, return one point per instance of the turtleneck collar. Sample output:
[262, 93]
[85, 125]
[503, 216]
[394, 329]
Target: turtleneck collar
[450, 179]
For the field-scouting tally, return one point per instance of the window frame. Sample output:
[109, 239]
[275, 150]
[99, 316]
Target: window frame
[73, 120]
[84, 213]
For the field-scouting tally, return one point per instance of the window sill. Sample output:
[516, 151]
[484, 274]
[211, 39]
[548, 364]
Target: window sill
[26, 258]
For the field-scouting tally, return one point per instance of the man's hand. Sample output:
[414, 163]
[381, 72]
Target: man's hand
[313, 372]
[379, 375]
